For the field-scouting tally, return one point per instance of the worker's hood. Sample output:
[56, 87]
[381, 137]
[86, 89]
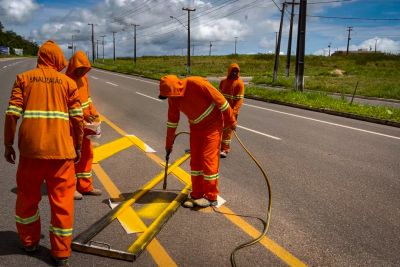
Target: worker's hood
[79, 60]
[51, 55]
[171, 86]
[233, 66]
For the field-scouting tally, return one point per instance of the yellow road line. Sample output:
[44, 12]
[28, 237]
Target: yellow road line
[129, 216]
[279, 251]
[107, 150]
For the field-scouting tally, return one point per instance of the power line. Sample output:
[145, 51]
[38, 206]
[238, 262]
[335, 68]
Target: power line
[353, 18]
[330, 1]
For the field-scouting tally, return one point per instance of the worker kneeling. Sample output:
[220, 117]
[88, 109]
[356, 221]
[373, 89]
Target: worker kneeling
[208, 113]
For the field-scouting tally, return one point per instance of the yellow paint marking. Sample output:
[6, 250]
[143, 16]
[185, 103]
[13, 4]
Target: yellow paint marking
[157, 251]
[279, 251]
[109, 149]
[112, 125]
[153, 209]
[129, 218]
[139, 143]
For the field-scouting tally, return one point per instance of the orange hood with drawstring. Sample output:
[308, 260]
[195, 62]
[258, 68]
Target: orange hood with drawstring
[48, 103]
[80, 61]
[233, 66]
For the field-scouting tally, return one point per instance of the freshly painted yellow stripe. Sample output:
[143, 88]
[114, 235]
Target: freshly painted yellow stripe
[139, 143]
[279, 251]
[109, 149]
[129, 217]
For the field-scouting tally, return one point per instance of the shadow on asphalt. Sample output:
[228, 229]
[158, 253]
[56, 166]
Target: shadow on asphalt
[10, 245]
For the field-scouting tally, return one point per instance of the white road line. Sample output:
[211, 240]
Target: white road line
[126, 76]
[94, 77]
[326, 122]
[159, 100]
[257, 132]
[113, 84]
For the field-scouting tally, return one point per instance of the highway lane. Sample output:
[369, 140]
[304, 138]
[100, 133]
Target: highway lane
[335, 182]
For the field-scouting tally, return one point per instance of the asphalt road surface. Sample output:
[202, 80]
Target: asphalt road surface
[335, 186]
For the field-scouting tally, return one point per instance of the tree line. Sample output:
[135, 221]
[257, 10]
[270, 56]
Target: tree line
[13, 40]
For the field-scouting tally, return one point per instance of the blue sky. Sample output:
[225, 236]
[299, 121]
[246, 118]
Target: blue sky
[253, 22]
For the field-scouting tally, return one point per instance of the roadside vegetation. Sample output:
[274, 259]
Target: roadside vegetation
[13, 40]
[377, 75]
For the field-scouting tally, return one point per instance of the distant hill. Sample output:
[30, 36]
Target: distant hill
[15, 41]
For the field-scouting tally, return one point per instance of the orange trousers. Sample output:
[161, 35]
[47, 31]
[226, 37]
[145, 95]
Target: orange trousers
[204, 163]
[226, 140]
[83, 169]
[60, 183]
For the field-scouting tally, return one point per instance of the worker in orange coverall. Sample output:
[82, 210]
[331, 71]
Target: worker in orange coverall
[78, 67]
[208, 112]
[48, 102]
[232, 88]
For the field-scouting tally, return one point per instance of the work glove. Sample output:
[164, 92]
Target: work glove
[78, 155]
[9, 154]
[91, 118]
[233, 127]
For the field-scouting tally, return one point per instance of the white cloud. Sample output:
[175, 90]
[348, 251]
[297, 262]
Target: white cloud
[17, 11]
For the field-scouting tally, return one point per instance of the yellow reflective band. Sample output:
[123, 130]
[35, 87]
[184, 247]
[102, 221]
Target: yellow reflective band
[196, 173]
[205, 114]
[14, 110]
[42, 114]
[60, 231]
[238, 96]
[83, 175]
[85, 104]
[224, 106]
[172, 125]
[226, 141]
[211, 177]
[89, 100]
[29, 219]
[75, 112]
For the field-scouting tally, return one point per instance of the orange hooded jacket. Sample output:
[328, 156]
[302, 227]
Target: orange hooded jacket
[202, 103]
[233, 89]
[80, 61]
[47, 101]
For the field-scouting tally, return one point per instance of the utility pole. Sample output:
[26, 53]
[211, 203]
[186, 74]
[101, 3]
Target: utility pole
[210, 49]
[301, 45]
[134, 37]
[278, 45]
[114, 46]
[102, 42]
[93, 57]
[97, 49]
[329, 51]
[193, 50]
[289, 47]
[188, 44]
[235, 44]
[376, 42]
[349, 29]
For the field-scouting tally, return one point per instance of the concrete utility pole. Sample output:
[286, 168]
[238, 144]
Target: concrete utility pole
[289, 47]
[329, 51]
[97, 49]
[278, 45]
[210, 49]
[93, 57]
[102, 42]
[235, 44]
[134, 37]
[376, 42]
[114, 46]
[349, 29]
[301, 45]
[188, 45]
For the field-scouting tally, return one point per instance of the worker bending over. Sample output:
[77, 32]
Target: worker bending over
[232, 87]
[78, 67]
[48, 103]
[208, 112]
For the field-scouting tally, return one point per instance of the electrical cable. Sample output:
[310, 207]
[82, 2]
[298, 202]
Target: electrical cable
[268, 213]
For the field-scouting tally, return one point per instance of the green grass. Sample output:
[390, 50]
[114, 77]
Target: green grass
[377, 76]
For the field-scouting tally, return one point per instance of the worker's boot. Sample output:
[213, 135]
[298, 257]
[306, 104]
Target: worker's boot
[77, 195]
[204, 202]
[223, 154]
[188, 203]
[61, 262]
[94, 192]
